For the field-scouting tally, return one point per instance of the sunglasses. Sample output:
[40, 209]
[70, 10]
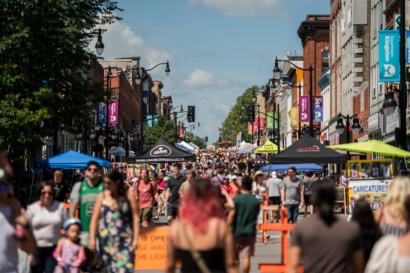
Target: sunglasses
[46, 192]
[93, 169]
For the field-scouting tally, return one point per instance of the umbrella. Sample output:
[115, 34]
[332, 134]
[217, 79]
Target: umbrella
[372, 146]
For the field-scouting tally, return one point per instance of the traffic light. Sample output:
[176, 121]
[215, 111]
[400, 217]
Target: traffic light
[206, 139]
[251, 113]
[220, 139]
[191, 113]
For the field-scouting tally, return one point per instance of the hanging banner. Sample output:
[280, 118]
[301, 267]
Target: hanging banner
[149, 121]
[101, 113]
[181, 133]
[278, 119]
[249, 129]
[304, 107]
[269, 120]
[261, 123]
[294, 117]
[255, 125]
[156, 120]
[113, 112]
[389, 56]
[407, 47]
[238, 140]
[318, 109]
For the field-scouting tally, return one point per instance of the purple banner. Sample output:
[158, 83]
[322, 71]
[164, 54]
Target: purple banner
[304, 107]
[101, 113]
[113, 112]
[318, 109]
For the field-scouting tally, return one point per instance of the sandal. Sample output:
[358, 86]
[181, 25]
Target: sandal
[156, 218]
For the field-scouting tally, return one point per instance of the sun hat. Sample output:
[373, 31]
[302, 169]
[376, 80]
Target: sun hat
[72, 221]
[259, 173]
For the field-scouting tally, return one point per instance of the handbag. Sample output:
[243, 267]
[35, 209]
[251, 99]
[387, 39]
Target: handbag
[194, 253]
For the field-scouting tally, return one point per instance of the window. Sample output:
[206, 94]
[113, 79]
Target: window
[325, 60]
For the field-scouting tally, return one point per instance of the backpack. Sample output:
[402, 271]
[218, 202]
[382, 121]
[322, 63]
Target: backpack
[138, 185]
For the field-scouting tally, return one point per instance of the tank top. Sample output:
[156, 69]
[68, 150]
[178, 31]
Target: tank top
[88, 196]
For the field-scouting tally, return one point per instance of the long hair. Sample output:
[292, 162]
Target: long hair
[201, 203]
[363, 215]
[324, 197]
[396, 196]
[115, 175]
[42, 186]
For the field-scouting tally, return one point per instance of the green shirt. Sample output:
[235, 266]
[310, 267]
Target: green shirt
[88, 196]
[247, 209]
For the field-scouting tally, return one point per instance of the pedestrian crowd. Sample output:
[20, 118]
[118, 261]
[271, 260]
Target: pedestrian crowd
[213, 209]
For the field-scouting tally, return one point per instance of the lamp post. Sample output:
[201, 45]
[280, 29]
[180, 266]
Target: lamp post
[276, 75]
[356, 128]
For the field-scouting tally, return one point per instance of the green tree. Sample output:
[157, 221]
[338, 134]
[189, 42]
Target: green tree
[46, 68]
[164, 128]
[233, 124]
[191, 137]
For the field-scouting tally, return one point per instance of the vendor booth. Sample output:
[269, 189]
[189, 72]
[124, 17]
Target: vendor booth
[301, 167]
[267, 147]
[163, 152]
[246, 148]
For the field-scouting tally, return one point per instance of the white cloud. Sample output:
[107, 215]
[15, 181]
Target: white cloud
[201, 78]
[121, 41]
[222, 107]
[244, 8]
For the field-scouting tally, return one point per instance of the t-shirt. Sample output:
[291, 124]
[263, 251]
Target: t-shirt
[174, 184]
[259, 190]
[308, 183]
[218, 180]
[8, 245]
[161, 185]
[236, 189]
[292, 190]
[273, 184]
[47, 222]
[145, 194]
[327, 249]
[246, 210]
[61, 189]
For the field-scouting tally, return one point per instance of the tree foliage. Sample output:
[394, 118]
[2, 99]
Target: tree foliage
[198, 141]
[45, 66]
[232, 124]
[164, 128]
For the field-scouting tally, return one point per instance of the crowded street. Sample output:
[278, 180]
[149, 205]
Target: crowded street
[204, 136]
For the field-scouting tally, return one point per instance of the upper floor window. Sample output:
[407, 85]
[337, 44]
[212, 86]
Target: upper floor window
[325, 60]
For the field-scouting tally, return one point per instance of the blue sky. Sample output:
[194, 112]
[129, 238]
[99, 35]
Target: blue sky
[216, 48]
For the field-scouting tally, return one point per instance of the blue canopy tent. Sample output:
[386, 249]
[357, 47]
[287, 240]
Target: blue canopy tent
[301, 167]
[183, 148]
[67, 160]
[70, 160]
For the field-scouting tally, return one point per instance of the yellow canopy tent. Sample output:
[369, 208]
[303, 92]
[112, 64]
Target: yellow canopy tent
[268, 147]
[372, 146]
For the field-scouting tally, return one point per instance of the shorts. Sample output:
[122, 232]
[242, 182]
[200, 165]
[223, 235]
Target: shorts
[145, 214]
[161, 199]
[172, 210]
[274, 200]
[246, 245]
[307, 200]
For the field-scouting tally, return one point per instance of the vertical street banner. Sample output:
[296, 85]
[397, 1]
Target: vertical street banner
[318, 109]
[101, 113]
[249, 129]
[294, 117]
[113, 112]
[261, 124]
[238, 140]
[407, 48]
[181, 133]
[389, 56]
[269, 120]
[149, 121]
[304, 107]
[278, 120]
[255, 125]
[156, 120]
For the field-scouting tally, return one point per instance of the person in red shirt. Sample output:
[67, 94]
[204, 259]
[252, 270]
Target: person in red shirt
[227, 187]
[146, 191]
[161, 194]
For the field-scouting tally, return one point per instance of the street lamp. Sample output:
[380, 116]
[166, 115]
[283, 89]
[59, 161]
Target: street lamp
[80, 131]
[64, 129]
[276, 75]
[92, 133]
[389, 104]
[99, 46]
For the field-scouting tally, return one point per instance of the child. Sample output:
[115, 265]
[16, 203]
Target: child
[69, 253]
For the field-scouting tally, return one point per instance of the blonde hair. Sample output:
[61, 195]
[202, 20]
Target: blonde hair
[398, 191]
[58, 173]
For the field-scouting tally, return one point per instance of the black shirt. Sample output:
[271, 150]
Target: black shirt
[173, 185]
[61, 189]
[242, 166]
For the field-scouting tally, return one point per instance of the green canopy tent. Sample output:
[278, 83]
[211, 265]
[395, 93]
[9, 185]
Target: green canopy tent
[267, 147]
[372, 146]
